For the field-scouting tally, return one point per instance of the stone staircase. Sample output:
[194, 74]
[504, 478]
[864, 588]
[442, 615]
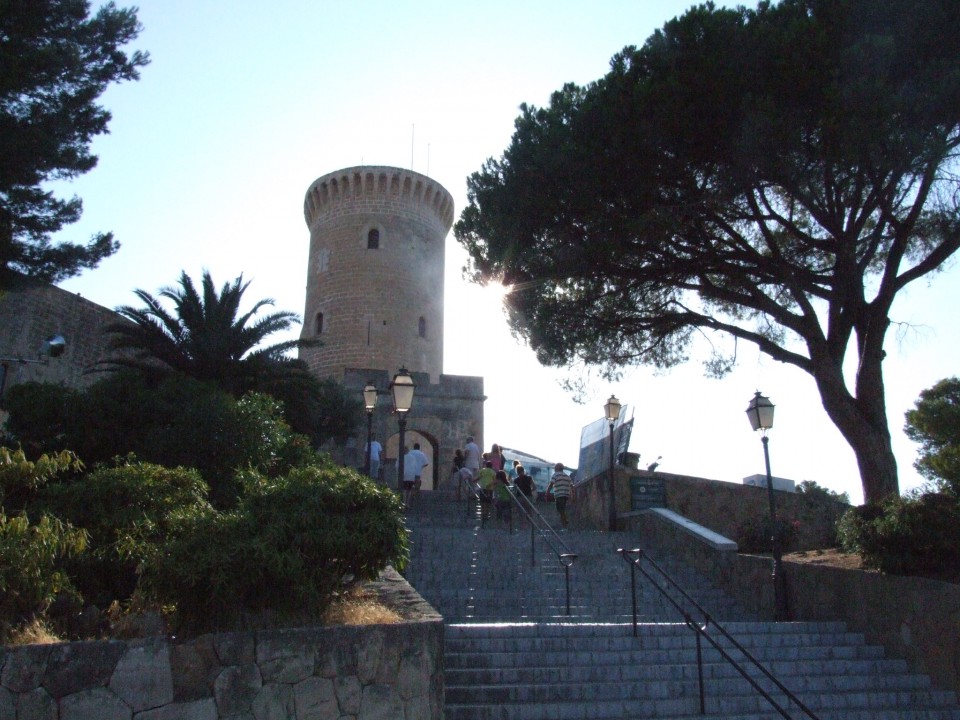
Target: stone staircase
[513, 652]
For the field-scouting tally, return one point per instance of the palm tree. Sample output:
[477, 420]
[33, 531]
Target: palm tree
[206, 337]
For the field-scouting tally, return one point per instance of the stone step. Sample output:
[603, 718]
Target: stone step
[587, 665]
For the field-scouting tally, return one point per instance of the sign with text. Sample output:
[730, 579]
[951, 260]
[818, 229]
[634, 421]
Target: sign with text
[647, 493]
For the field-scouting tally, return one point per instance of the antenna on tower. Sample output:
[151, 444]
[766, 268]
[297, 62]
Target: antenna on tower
[412, 128]
[428, 159]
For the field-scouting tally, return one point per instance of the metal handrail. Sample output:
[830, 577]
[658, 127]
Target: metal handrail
[702, 632]
[473, 493]
[538, 523]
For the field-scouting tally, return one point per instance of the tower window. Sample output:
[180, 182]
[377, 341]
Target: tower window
[422, 327]
[318, 324]
[373, 240]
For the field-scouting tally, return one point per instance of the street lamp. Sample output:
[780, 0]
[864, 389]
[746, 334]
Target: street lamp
[760, 414]
[612, 410]
[370, 403]
[402, 391]
[53, 347]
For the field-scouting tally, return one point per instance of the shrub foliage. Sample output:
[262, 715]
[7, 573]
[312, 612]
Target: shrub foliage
[754, 535]
[906, 536]
[126, 511]
[283, 551]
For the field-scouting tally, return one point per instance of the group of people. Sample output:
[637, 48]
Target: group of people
[414, 462]
[490, 473]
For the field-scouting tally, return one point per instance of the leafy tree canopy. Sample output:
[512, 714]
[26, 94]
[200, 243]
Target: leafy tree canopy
[179, 421]
[55, 61]
[934, 422]
[774, 176]
[812, 488]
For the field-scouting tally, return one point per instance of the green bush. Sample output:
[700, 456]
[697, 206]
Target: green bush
[21, 479]
[39, 415]
[179, 421]
[31, 576]
[754, 535]
[906, 536]
[127, 511]
[281, 552]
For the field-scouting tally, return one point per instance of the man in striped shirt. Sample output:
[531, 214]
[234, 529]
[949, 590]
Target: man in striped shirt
[562, 489]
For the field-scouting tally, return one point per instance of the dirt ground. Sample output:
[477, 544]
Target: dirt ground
[835, 558]
[831, 557]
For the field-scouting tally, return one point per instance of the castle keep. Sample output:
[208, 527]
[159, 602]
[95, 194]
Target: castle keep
[374, 300]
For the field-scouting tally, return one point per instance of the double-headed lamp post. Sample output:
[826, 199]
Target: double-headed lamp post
[402, 390]
[370, 403]
[760, 413]
[612, 411]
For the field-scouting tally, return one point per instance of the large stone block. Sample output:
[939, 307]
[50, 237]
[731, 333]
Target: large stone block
[236, 687]
[24, 667]
[72, 667]
[205, 709]
[235, 648]
[8, 704]
[94, 704]
[349, 693]
[143, 677]
[274, 702]
[380, 702]
[369, 653]
[315, 699]
[285, 656]
[194, 666]
[36, 705]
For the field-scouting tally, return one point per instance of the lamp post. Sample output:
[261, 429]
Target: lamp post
[612, 410]
[760, 414]
[402, 390]
[370, 403]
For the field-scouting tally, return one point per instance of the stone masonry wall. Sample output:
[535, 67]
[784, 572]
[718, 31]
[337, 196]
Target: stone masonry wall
[719, 506]
[444, 413]
[32, 312]
[344, 672]
[381, 307]
[913, 618]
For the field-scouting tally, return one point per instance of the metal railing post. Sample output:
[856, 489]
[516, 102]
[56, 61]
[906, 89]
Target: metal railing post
[566, 571]
[700, 633]
[703, 702]
[533, 545]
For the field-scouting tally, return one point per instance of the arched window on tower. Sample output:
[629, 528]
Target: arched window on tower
[318, 324]
[373, 239]
[422, 327]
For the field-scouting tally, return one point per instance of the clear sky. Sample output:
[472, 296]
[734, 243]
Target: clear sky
[246, 103]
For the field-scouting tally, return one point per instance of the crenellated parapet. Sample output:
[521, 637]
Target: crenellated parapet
[378, 186]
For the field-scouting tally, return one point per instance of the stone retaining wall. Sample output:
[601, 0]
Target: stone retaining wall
[348, 672]
[913, 618]
[721, 506]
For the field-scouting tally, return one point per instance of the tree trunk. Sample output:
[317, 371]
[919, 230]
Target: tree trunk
[862, 420]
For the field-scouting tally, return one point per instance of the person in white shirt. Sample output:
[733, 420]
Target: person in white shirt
[471, 457]
[375, 449]
[413, 465]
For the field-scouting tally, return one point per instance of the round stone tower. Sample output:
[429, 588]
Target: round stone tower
[375, 273]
